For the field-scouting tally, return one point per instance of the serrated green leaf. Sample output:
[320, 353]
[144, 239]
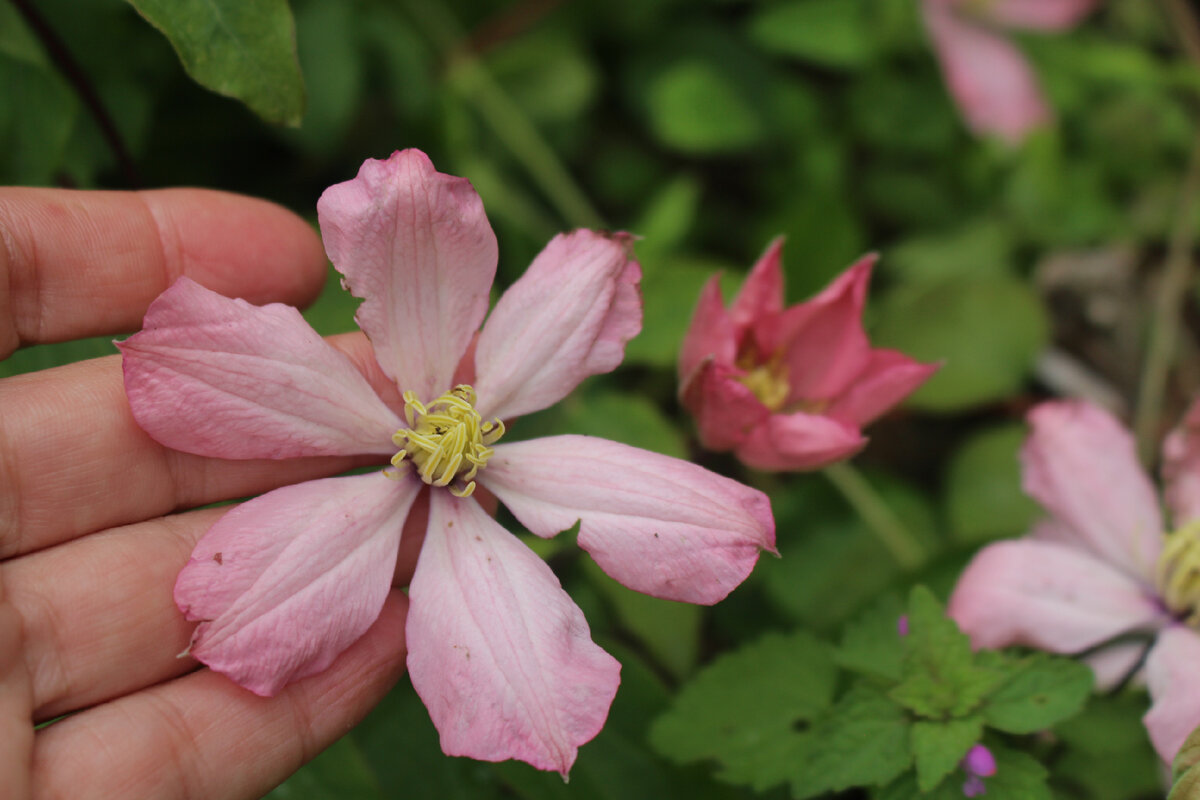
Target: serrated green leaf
[987, 330]
[937, 747]
[941, 677]
[245, 49]
[862, 741]
[983, 496]
[1018, 777]
[871, 643]
[746, 698]
[830, 32]
[1041, 691]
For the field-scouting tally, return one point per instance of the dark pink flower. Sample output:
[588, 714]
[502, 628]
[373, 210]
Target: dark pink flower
[990, 79]
[789, 389]
[1101, 565]
[978, 763]
[282, 584]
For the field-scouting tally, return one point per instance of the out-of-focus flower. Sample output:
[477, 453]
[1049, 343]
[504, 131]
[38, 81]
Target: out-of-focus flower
[978, 763]
[282, 584]
[789, 389]
[990, 79]
[1100, 566]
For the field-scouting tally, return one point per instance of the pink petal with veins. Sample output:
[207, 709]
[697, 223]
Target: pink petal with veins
[1174, 684]
[1050, 596]
[761, 294]
[1081, 465]
[222, 378]
[889, 377]
[568, 317]
[498, 652]
[726, 411]
[799, 441]
[416, 245]
[285, 582]
[659, 525]
[711, 335]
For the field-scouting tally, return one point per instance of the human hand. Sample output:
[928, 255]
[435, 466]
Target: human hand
[90, 537]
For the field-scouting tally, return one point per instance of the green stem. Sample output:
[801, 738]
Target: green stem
[879, 517]
[506, 119]
[1164, 331]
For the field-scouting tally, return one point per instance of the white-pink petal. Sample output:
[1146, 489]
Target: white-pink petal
[1174, 682]
[1044, 15]
[1082, 466]
[416, 245]
[568, 317]
[219, 377]
[1050, 596]
[1181, 469]
[659, 525]
[500, 655]
[284, 583]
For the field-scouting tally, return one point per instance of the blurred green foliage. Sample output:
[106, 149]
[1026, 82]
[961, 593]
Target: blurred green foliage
[706, 127]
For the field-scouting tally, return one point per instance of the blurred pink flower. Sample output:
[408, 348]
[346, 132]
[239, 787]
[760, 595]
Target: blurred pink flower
[977, 764]
[282, 584]
[1100, 566]
[789, 389]
[988, 76]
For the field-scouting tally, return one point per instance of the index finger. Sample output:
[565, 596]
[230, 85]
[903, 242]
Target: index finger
[86, 263]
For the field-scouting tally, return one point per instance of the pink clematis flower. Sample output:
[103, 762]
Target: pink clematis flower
[282, 584]
[1101, 566]
[789, 389]
[988, 76]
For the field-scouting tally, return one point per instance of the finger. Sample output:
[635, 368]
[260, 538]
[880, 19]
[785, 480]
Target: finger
[73, 461]
[202, 736]
[15, 701]
[78, 263]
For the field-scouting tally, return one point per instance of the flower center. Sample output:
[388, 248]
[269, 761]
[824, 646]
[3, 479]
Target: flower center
[1179, 573]
[446, 441]
[767, 380]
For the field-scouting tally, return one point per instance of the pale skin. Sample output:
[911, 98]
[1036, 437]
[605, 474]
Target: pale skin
[95, 521]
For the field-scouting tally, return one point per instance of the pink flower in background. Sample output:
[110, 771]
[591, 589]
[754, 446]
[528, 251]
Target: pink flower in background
[282, 584]
[1100, 566]
[990, 79]
[789, 389]
[977, 764]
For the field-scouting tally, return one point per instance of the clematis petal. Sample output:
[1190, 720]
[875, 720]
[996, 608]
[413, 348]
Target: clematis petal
[989, 78]
[1181, 469]
[799, 442]
[1045, 15]
[1081, 465]
[499, 653]
[662, 526]
[822, 340]
[222, 378]
[416, 246]
[1174, 684]
[725, 409]
[711, 334]
[761, 294]
[568, 317]
[284, 583]
[1113, 664]
[889, 377]
[1049, 596]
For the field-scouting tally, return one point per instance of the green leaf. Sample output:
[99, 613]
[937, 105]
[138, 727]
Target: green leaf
[1107, 751]
[871, 644]
[830, 32]
[1188, 755]
[1042, 691]
[980, 247]
[245, 49]
[695, 107]
[339, 772]
[1018, 777]
[746, 698]
[1186, 786]
[941, 677]
[987, 330]
[983, 496]
[620, 416]
[862, 741]
[937, 747]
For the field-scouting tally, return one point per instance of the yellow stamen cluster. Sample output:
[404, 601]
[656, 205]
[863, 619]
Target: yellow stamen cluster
[447, 440]
[768, 381]
[1179, 573]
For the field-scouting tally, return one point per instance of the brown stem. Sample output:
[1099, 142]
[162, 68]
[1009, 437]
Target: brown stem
[1184, 21]
[70, 69]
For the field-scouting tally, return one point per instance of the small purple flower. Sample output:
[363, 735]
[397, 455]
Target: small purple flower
[902, 625]
[978, 763]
